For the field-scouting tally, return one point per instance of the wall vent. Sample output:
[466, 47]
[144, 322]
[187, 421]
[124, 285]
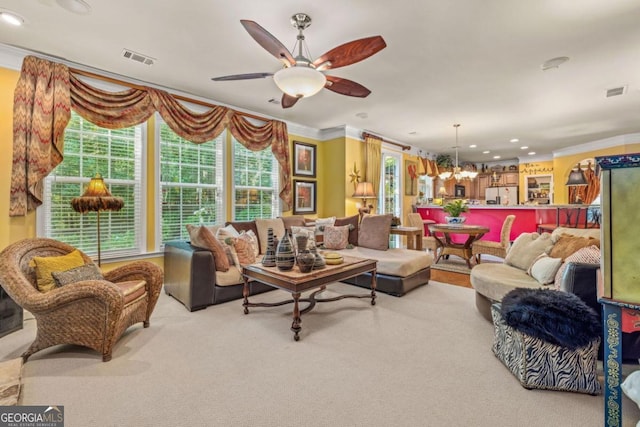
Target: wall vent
[616, 91]
[138, 57]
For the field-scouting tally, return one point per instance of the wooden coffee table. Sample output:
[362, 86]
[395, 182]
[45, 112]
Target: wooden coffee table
[295, 282]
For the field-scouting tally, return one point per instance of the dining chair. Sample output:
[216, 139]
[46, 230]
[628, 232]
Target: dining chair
[498, 249]
[428, 242]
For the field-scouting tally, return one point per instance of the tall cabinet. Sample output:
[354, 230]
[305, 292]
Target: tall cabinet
[620, 204]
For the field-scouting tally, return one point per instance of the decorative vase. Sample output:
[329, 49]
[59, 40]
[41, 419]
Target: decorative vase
[455, 220]
[318, 261]
[269, 259]
[285, 258]
[304, 258]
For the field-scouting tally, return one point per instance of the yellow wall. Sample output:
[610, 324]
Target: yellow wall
[562, 167]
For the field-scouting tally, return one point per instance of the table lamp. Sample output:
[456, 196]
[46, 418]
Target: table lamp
[364, 190]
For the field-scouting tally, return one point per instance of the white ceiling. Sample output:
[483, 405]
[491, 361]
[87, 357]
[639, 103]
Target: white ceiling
[471, 62]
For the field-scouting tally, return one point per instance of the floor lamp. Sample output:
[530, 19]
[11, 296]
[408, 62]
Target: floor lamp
[97, 198]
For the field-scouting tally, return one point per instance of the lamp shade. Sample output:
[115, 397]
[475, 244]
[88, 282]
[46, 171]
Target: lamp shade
[364, 190]
[576, 177]
[299, 81]
[96, 198]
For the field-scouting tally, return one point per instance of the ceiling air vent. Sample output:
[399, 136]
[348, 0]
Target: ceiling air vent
[616, 91]
[138, 57]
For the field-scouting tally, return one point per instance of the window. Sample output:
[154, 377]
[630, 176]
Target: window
[255, 183]
[117, 156]
[390, 185]
[191, 183]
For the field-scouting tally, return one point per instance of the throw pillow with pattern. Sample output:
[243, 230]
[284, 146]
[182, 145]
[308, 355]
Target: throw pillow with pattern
[202, 237]
[336, 237]
[77, 274]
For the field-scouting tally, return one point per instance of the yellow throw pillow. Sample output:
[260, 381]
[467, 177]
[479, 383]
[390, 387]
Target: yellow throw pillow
[47, 265]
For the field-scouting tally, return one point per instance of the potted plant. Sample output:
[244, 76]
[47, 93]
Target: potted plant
[454, 209]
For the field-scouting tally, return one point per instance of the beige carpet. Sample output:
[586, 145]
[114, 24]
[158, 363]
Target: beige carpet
[421, 360]
[10, 373]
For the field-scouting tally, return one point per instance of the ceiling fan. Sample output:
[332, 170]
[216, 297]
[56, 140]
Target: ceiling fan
[301, 77]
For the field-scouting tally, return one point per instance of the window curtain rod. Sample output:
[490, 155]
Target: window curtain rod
[366, 135]
[140, 87]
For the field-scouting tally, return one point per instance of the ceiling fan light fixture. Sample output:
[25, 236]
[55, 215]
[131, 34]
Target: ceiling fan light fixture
[299, 81]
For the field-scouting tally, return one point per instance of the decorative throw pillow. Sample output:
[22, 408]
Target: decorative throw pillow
[222, 235]
[202, 237]
[526, 248]
[253, 241]
[308, 232]
[336, 237]
[588, 255]
[293, 221]
[544, 269]
[242, 250]
[321, 223]
[262, 225]
[567, 245]
[353, 230]
[374, 232]
[47, 265]
[77, 274]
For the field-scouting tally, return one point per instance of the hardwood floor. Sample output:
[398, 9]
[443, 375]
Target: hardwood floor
[458, 279]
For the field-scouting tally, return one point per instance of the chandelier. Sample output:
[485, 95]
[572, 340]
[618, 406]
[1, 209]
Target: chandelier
[457, 173]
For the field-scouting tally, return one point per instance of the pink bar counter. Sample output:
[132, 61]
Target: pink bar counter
[527, 217]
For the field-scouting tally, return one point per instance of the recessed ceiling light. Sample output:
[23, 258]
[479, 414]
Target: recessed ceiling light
[486, 152]
[11, 18]
[496, 157]
[531, 153]
[75, 6]
[524, 147]
[554, 62]
[413, 132]
[514, 140]
[473, 146]
[274, 101]
[362, 115]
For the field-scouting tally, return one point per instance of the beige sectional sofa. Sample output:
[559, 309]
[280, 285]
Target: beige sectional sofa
[492, 281]
[192, 278]
[578, 275]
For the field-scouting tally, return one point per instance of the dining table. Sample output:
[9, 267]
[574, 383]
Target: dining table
[448, 246]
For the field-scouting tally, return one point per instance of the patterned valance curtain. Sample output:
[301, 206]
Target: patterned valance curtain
[39, 131]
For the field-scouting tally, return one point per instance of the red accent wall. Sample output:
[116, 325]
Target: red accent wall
[527, 218]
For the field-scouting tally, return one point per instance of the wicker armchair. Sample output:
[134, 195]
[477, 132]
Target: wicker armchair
[90, 313]
[498, 249]
[428, 242]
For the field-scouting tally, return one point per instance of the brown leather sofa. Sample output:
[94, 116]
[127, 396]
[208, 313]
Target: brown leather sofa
[190, 274]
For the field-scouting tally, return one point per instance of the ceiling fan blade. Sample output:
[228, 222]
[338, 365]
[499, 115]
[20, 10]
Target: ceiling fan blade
[269, 42]
[242, 77]
[346, 87]
[288, 101]
[350, 53]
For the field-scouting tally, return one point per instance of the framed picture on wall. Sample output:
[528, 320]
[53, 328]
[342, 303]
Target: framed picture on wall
[410, 178]
[304, 197]
[304, 159]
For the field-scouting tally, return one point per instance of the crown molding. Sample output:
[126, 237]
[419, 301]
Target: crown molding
[614, 141]
[536, 158]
